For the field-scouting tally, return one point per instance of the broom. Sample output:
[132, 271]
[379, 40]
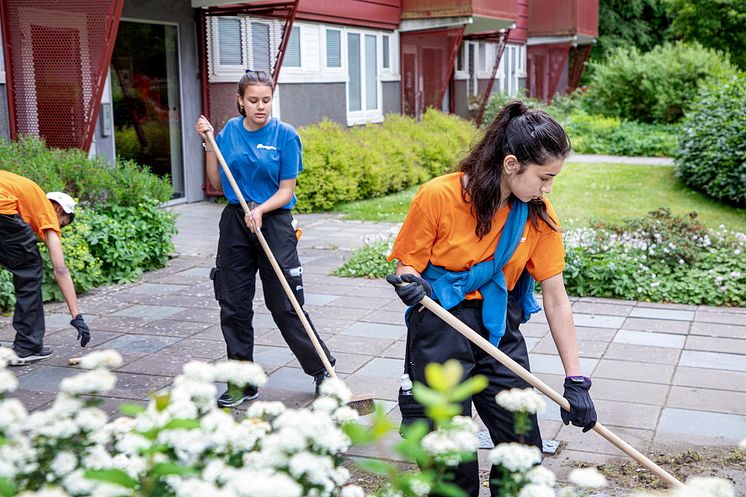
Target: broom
[363, 404]
[509, 363]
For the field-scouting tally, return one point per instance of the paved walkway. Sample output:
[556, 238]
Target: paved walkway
[620, 159]
[666, 377]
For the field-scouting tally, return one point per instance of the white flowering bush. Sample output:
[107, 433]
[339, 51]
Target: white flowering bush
[658, 258]
[179, 445]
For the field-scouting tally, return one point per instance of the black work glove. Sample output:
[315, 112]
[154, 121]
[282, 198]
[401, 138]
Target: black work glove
[582, 412]
[84, 334]
[412, 293]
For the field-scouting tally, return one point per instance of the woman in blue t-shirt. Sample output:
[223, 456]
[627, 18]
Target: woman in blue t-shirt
[264, 155]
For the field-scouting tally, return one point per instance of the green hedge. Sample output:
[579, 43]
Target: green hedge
[342, 165]
[119, 229]
[712, 156]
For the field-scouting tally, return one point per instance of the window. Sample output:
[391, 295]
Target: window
[292, 54]
[354, 67]
[386, 63]
[230, 51]
[260, 48]
[371, 73]
[460, 57]
[333, 48]
[482, 57]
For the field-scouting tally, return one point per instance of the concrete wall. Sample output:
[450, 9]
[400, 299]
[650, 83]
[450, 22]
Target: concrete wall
[307, 103]
[180, 12]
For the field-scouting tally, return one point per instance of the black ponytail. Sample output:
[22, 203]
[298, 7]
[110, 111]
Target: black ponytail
[533, 137]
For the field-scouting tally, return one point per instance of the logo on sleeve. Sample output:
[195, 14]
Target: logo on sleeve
[266, 147]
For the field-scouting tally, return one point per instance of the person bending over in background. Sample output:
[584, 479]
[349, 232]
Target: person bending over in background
[26, 212]
[475, 241]
[264, 156]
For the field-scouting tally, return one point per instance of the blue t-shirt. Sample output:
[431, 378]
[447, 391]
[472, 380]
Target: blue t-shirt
[259, 159]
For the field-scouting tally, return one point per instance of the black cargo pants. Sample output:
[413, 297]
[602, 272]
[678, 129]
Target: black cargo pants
[239, 257]
[430, 339]
[19, 254]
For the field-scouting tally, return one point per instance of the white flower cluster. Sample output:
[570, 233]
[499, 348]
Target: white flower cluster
[108, 359]
[521, 400]
[587, 478]
[281, 452]
[452, 443]
[515, 457]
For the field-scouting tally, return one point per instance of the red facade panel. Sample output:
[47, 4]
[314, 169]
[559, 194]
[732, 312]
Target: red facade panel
[382, 14]
[57, 56]
[495, 9]
[545, 65]
[519, 34]
[563, 17]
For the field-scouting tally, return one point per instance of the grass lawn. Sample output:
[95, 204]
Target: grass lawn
[584, 192]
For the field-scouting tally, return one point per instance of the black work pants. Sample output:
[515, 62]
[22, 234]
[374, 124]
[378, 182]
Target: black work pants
[432, 340]
[19, 254]
[239, 257]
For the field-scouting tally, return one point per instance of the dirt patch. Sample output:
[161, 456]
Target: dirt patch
[705, 462]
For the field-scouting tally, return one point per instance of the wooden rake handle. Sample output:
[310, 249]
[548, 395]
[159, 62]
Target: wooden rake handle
[272, 260]
[509, 363]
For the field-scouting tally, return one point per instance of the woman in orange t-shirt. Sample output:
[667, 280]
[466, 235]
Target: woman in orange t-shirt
[475, 241]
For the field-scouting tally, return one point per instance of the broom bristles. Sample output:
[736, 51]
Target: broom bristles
[363, 404]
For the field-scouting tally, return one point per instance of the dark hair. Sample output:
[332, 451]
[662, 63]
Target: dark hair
[534, 137]
[252, 78]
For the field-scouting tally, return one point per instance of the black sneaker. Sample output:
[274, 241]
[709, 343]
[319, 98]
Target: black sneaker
[234, 396]
[25, 357]
[318, 379]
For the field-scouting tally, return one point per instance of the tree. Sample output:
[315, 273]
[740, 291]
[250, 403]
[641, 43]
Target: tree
[629, 23]
[715, 24]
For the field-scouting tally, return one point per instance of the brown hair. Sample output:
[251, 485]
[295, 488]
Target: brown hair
[533, 137]
[252, 78]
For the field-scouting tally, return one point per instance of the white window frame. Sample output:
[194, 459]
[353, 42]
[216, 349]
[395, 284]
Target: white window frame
[298, 68]
[226, 72]
[250, 40]
[364, 116]
[336, 71]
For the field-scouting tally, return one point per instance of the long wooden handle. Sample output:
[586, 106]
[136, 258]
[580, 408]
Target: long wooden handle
[272, 260]
[504, 359]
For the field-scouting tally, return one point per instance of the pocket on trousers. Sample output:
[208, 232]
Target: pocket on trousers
[20, 249]
[295, 280]
[411, 411]
[217, 282]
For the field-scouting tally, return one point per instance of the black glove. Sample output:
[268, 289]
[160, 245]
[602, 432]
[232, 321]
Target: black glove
[84, 334]
[412, 293]
[582, 412]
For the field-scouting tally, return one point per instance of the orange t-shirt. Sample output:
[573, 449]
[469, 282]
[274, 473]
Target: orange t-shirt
[440, 228]
[19, 195]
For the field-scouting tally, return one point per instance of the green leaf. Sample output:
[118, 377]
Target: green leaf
[182, 424]
[161, 401]
[453, 372]
[167, 468]
[448, 490]
[116, 476]
[427, 396]
[131, 410]
[469, 387]
[436, 377]
[7, 488]
[358, 433]
[377, 466]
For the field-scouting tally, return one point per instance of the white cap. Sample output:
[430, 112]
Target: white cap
[66, 201]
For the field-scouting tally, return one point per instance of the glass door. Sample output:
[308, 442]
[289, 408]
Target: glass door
[145, 93]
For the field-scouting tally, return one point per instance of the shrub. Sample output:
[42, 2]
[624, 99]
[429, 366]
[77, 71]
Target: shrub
[658, 258]
[92, 181]
[369, 262]
[655, 86]
[712, 154]
[343, 165]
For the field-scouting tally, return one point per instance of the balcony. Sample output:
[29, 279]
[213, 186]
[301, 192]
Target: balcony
[479, 15]
[551, 18]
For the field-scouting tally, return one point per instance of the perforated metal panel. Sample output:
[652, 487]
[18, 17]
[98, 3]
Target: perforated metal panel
[57, 56]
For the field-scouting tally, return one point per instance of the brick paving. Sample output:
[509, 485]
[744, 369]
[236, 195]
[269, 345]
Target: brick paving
[666, 377]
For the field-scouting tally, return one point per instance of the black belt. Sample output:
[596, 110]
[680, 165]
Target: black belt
[275, 212]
